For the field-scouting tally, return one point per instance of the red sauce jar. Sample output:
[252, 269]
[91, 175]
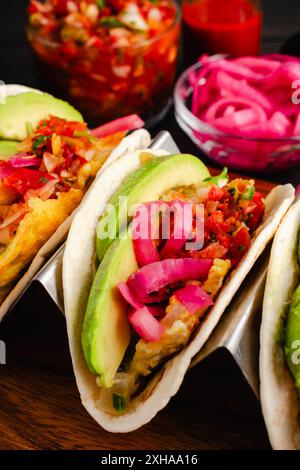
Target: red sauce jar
[221, 26]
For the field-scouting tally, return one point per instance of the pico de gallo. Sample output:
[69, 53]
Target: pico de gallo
[58, 156]
[169, 295]
[109, 57]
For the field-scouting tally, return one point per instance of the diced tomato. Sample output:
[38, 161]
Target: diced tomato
[240, 243]
[214, 250]
[24, 179]
[254, 216]
[225, 240]
[32, 8]
[60, 127]
[61, 7]
[215, 193]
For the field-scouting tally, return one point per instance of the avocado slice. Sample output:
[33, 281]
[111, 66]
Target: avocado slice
[292, 337]
[21, 112]
[154, 177]
[292, 331]
[7, 149]
[106, 330]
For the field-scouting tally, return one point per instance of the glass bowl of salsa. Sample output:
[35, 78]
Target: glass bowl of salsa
[109, 58]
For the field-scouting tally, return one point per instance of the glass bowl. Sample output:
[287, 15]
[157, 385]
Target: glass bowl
[107, 82]
[236, 152]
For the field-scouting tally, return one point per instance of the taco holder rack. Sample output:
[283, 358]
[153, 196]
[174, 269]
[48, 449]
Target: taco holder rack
[237, 334]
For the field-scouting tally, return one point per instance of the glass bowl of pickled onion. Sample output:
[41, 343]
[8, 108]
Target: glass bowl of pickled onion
[243, 112]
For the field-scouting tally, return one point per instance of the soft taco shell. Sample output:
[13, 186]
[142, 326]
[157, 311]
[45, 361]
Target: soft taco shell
[280, 404]
[33, 234]
[78, 270]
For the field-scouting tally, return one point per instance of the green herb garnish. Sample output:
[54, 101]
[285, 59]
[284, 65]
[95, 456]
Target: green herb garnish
[101, 4]
[219, 180]
[119, 402]
[43, 179]
[248, 193]
[112, 22]
[241, 247]
[38, 141]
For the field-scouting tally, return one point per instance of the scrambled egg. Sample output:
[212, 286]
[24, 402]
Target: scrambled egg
[42, 220]
[179, 323]
[103, 148]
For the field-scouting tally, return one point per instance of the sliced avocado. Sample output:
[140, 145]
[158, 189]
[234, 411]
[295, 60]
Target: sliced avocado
[154, 178]
[7, 149]
[292, 337]
[106, 330]
[24, 111]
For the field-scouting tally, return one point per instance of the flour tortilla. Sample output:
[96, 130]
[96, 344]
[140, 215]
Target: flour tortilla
[78, 271]
[139, 139]
[280, 404]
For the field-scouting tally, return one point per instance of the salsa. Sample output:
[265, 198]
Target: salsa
[109, 57]
[58, 156]
[218, 26]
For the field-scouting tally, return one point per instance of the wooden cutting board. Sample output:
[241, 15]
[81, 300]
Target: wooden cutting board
[41, 408]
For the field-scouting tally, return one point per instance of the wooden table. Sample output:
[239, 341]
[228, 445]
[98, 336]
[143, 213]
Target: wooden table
[40, 406]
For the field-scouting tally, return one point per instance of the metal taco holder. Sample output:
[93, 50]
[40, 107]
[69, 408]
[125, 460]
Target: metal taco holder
[237, 332]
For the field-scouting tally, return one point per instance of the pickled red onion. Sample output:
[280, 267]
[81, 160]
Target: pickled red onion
[143, 243]
[248, 97]
[125, 124]
[183, 225]
[128, 296]
[149, 280]
[21, 160]
[146, 325]
[193, 298]
[212, 112]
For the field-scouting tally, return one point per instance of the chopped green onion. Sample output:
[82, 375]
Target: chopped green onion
[112, 22]
[219, 180]
[101, 4]
[43, 179]
[119, 402]
[40, 139]
[248, 193]
[241, 247]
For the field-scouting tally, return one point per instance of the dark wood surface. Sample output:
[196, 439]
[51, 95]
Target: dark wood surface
[40, 406]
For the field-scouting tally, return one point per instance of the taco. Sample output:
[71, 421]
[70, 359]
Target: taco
[46, 179]
[139, 304]
[280, 336]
